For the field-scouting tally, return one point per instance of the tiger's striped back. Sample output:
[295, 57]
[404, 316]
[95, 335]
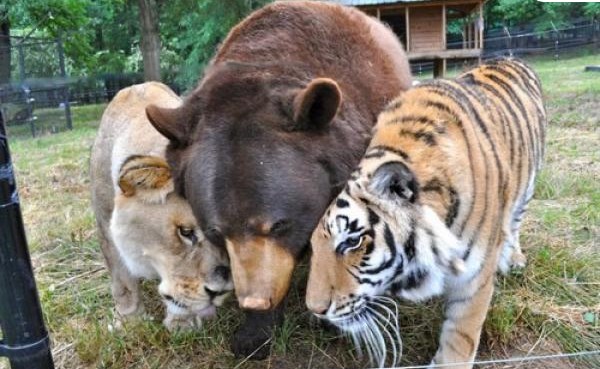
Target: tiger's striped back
[494, 121]
[435, 205]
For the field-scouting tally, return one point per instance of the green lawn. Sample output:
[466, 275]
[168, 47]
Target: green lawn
[552, 306]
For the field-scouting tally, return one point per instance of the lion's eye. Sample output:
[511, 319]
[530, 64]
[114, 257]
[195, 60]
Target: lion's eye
[188, 233]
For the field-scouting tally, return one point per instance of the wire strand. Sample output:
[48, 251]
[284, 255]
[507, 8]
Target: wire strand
[503, 361]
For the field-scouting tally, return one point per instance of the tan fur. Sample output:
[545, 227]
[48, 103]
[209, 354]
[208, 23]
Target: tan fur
[255, 285]
[474, 146]
[139, 216]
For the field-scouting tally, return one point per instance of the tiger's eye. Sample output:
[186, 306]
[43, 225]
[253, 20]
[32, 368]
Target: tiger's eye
[354, 241]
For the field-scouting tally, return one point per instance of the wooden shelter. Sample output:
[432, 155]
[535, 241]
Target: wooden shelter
[422, 26]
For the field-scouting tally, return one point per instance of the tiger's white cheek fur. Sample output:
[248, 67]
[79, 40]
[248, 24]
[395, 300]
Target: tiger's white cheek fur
[437, 261]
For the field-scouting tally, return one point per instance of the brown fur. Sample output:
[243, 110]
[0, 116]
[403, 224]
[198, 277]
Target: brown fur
[282, 115]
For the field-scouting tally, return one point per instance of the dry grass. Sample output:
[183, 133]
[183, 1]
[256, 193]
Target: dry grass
[552, 306]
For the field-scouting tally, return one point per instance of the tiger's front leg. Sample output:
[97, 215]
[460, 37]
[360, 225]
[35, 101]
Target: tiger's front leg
[465, 312]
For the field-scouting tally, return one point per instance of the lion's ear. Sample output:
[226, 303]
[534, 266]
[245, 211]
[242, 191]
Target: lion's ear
[173, 123]
[146, 177]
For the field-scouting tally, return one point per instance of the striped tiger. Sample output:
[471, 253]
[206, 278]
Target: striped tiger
[433, 208]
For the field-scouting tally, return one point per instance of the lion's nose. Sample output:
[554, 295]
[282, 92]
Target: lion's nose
[223, 272]
[212, 293]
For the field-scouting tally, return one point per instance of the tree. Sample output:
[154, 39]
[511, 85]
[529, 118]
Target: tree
[194, 29]
[150, 40]
[5, 53]
[543, 14]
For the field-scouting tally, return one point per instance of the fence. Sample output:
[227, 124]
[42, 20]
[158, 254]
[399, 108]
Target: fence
[35, 97]
[525, 40]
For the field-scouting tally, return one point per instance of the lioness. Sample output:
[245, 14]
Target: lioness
[145, 229]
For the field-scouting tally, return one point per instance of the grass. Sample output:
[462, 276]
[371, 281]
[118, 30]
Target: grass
[551, 306]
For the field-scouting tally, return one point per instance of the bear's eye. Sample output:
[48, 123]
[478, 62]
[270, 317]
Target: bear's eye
[215, 237]
[280, 227]
[188, 233]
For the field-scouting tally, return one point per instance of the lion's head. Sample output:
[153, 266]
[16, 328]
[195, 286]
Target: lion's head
[158, 236]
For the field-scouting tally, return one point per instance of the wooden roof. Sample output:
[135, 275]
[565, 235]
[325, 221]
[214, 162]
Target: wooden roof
[389, 2]
[378, 2]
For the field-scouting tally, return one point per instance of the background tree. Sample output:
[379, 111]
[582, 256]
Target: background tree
[4, 45]
[150, 39]
[520, 12]
[193, 29]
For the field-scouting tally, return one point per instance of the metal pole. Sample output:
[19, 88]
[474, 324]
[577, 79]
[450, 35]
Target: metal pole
[63, 73]
[25, 339]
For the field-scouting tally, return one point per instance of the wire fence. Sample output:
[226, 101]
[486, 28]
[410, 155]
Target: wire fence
[524, 41]
[39, 96]
[34, 99]
[511, 360]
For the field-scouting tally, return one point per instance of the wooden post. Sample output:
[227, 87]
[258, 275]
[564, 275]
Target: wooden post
[469, 35]
[464, 35]
[407, 29]
[378, 14]
[439, 68]
[481, 26]
[444, 46]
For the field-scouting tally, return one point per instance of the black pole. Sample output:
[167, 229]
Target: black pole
[25, 339]
[63, 73]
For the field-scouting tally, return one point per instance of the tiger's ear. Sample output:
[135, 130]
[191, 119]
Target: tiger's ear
[175, 124]
[395, 180]
[316, 105]
[146, 177]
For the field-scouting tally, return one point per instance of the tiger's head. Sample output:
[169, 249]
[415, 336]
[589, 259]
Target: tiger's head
[378, 237]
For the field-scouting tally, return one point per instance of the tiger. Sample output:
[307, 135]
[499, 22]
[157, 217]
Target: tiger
[433, 208]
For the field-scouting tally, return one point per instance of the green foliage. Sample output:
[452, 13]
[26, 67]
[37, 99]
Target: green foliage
[194, 29]
[54, 18]
[544, 15]
[592, 9]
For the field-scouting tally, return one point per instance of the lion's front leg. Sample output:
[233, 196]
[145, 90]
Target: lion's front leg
[124, 286]
[466, 309]
[177, 321]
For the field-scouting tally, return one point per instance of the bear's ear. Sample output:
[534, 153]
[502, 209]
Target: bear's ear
[316, 105]
[394, 180]
[173, 123]
[146, 177]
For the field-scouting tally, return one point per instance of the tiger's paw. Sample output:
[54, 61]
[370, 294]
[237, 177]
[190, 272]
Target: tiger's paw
[518, 260]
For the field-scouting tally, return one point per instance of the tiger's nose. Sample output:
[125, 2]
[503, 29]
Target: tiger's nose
[318, 307]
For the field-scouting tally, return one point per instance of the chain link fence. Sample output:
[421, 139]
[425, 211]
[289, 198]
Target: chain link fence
[35, 98]
[523, 41]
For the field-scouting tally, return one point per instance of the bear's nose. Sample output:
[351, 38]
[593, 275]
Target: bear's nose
[223, 272]
[212, 293]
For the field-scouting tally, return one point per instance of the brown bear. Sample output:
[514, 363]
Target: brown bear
[282, 115]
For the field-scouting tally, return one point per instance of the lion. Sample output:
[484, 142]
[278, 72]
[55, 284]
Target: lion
[145, 229]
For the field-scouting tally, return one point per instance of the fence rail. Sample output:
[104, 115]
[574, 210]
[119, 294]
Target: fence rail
[523, 41]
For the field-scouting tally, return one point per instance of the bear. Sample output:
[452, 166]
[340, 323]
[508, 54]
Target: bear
[271, 133]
